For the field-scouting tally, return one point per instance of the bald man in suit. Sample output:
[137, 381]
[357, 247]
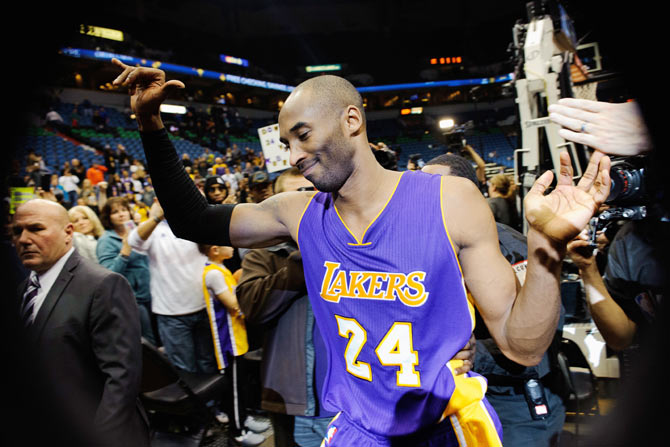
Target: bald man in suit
[82, 324]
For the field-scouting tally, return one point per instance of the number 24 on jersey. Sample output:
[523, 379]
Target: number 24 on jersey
[395, 349]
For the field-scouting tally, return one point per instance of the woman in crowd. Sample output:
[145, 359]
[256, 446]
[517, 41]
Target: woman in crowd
[116, 188]
[502, 194]
[115, 253]
[93, 196]
[87, 231]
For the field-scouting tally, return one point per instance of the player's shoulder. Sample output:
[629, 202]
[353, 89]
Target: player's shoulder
[466, 212]
[459, 189]
[292, 201]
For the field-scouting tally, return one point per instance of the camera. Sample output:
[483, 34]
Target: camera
[629, 195]
[629, 182]
[455, 141]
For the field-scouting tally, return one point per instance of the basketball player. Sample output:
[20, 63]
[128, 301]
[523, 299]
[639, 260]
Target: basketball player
[394, 263]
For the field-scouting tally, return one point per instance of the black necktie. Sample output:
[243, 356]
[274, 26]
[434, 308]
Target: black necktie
[29, 299]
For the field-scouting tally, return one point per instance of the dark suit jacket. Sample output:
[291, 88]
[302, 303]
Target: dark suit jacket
[88, 343]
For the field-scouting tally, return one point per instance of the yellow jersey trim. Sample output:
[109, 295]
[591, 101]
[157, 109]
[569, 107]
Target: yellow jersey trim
[468, 295]
[297, 230]
[359, 242]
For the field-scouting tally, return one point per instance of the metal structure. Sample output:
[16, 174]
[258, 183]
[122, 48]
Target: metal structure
[544, 53]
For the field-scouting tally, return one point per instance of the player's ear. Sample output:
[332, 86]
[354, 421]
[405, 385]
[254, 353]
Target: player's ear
[354, 121]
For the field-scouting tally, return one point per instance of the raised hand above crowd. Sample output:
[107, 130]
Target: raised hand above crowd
[612, 128]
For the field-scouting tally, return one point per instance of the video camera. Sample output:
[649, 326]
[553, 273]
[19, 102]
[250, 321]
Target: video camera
[629, 194]
[455, 141]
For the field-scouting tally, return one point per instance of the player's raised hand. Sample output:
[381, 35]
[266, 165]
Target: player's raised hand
[147, 87]
[562, 214]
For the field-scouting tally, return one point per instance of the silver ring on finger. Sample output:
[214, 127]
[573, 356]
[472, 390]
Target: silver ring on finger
[583, 129]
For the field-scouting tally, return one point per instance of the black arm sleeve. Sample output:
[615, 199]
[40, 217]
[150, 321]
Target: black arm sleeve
[186, 209]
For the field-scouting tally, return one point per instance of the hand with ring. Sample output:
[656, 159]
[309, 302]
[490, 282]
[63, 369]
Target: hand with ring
[612, 128]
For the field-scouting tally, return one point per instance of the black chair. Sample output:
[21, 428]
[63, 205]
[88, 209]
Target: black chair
[169, 391]
[582, 398]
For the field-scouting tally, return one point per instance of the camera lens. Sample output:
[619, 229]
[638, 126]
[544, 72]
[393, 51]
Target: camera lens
[627, 184]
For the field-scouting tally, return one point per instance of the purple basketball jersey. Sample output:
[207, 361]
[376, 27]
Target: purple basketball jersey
[392, 309]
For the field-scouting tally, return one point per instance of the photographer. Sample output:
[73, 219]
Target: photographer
[624, 303]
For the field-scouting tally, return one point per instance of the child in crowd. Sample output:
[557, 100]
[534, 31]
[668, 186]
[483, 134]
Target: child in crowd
[230, 342]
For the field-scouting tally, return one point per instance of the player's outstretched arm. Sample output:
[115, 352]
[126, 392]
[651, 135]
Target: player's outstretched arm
[186, 210]
[523, 324]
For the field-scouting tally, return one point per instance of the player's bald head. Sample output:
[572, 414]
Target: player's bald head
[328, 94]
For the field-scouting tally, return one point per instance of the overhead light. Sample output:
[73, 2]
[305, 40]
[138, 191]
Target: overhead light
[327, 67]
[446, 124]
[173, 108]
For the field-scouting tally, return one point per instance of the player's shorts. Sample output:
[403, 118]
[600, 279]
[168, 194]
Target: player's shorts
[474, 425]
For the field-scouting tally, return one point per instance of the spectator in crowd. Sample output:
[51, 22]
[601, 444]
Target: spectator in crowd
[469, 152]
[82, 329]
[186, 160]
[96, 173]
[273, 298]
[123, 158]
[237, 172]
[215, 189]
[126, 179]
[87, 190]
[136, 183]
[78, 169]
[230, 343]
[57, 191]
[149, 194]
[97, 196]
[236, 154]
[87, 231]
[115, 187]
[33, 174]
[203, 167]
[69, 182]
[506, 379]
[175, 267]
[139, 209]
[216, 192]
[138, 167]
[260, 186]
[75, 118]
[243, 194]
[228, 156]
[100, 119]
[55, 120]
[66, 165]
[501, 200]
[111, 161]
[114, 252]
[230, 180]
[218, 167]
